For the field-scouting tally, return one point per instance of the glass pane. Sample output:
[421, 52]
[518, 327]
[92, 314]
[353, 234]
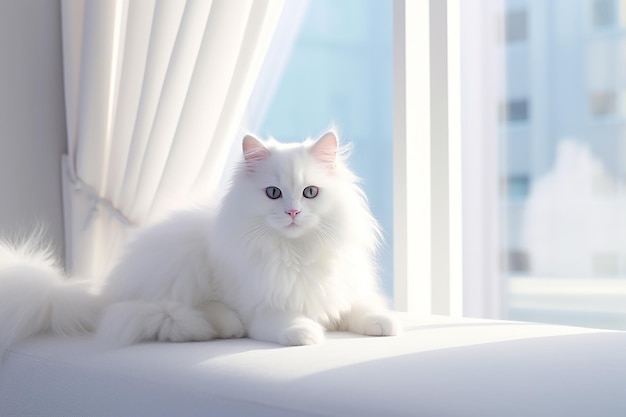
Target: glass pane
[335, 70]
[557, 78]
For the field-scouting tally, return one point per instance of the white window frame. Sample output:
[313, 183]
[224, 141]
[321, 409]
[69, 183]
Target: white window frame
[428, 235]
[446, 192]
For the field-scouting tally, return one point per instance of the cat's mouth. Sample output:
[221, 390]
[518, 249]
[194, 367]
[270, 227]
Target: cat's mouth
[290, 228]
[293, 230]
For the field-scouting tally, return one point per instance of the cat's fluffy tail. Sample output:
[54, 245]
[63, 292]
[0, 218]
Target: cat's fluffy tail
[36, 296]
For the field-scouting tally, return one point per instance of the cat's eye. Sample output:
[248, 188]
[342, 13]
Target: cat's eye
[273, 192]
[311, 191]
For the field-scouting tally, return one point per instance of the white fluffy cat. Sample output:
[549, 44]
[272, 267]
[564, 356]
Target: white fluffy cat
[289, 252]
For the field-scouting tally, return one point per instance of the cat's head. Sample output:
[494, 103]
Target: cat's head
[293, 188]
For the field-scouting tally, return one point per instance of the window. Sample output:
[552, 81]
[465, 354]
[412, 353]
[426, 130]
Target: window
[516, 26]
[515, 111]
[559, 222]
[489, 218]
[607, 15]
[331, 63]
[517, 187]
[602, 104]
[603, 13]
[517, 261]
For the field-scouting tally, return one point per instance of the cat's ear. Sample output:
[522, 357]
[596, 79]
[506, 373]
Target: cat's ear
[325, 149]
[253, 151]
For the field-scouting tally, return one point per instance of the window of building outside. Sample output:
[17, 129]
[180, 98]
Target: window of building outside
[604, 13]
[561, 220]
[602, 104]
[517, 187]
[516, 110]
[516, 25]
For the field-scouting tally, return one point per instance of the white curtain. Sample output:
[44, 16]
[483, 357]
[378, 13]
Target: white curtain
[155, 93]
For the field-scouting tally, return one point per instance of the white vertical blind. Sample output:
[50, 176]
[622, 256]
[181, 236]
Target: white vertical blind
[155, 92]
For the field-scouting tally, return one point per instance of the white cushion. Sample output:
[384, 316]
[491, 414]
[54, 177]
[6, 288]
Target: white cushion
[437, 367]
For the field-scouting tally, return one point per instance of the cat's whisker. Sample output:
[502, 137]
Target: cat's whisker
[326, 234]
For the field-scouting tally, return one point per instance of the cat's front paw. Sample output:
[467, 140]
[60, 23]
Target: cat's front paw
[380, 324]
[229, 328]
[305, 332]
[225, 320]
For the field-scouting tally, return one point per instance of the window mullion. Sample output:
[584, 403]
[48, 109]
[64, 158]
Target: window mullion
[412, 182]
[427, 226]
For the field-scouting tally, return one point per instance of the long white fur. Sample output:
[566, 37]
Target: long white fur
[36, 296]
[239, 269]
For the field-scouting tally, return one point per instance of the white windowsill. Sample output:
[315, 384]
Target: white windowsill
[437, 367]
[593, 295]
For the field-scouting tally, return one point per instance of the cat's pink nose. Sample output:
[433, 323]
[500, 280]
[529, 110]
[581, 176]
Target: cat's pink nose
[292, 213]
